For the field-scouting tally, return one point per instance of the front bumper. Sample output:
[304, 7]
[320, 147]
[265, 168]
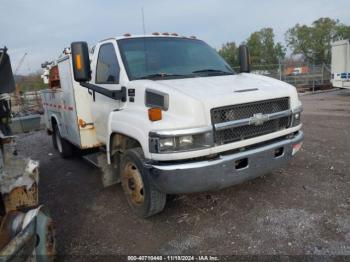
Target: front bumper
[223, 171]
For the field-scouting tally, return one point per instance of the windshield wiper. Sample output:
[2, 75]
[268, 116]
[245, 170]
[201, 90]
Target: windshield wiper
[159, 75]
[212, 72]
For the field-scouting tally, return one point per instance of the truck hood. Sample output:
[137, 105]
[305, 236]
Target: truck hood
[234, 89]
[191, 99]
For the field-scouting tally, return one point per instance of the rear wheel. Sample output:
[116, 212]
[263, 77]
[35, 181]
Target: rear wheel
[144, 199]
[53, 136]
[63, 146]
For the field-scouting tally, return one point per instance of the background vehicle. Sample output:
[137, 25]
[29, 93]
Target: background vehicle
[299, 70]
[341, 64]
[169, 116]
[26, 229]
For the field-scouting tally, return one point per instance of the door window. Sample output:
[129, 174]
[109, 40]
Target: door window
[108, 70]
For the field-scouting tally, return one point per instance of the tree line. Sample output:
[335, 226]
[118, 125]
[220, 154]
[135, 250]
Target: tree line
[311, 42]
[30, 82]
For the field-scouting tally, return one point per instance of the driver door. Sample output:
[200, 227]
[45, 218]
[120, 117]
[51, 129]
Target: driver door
[106, 75]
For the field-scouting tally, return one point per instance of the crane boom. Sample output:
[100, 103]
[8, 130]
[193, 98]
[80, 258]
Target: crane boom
[20, 63]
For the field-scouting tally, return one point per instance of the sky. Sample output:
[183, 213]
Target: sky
[42, 28]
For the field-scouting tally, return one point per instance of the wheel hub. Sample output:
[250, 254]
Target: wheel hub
[132, 183]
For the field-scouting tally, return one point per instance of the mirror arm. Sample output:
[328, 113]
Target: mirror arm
[116, 95]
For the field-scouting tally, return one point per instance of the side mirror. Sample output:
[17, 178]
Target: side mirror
[244, 59]
[7, 82]
[81, 61]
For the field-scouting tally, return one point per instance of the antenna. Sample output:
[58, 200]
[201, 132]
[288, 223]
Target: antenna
[143, 22]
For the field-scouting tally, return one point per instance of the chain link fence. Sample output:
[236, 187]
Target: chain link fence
[26, 103]
[304, 77]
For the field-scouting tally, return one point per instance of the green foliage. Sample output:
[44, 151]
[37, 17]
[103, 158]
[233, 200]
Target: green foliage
[314, 42]
[263, 49]
[30, 82]
[229, 52]
[343, 31]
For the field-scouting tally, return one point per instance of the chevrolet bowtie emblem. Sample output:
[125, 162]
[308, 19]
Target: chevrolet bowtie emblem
[258, 119]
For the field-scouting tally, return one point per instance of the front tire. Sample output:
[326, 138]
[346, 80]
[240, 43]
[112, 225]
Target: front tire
[142, 196]
[63, 146]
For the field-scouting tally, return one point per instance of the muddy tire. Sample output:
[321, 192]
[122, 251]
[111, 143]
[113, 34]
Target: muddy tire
[63, 146]
[142, 196]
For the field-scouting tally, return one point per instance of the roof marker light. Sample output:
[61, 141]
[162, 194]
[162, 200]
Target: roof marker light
[127, 34]
[155, 33]
[174, 34]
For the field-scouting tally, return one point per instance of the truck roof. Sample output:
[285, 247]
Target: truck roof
[341, 42]
[65, 53]
[128, 36]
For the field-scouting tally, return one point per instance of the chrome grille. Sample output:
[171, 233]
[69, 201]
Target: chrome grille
[245, 112]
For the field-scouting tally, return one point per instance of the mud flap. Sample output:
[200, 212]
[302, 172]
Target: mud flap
[110, 174]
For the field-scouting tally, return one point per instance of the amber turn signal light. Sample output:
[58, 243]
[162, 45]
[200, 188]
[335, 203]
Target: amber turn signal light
[78, 62]
[155, 114]
[82, 123]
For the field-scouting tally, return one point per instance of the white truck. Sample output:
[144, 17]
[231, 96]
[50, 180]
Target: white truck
[341, 64]
[170, 116]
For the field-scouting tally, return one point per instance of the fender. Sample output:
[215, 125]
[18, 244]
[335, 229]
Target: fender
[131, 124]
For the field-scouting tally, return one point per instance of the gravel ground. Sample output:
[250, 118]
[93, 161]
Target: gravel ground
[301, 209]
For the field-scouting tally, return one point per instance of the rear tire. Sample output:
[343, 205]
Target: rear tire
[53, 136]
[63, 146]
[142, 196]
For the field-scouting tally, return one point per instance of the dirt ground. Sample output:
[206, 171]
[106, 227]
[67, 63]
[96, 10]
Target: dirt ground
[302, 209]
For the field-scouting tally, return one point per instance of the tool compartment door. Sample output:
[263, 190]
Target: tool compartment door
[69, 127]
[86, 125]
[52, 98]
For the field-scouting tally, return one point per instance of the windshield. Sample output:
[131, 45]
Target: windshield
[167, 57]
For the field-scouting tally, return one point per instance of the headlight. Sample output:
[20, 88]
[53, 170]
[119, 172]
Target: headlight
[296, 117]
[185, 141]
[167, 144]
[180, 140]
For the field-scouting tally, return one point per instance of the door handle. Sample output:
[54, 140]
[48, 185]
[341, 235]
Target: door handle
[92, 93]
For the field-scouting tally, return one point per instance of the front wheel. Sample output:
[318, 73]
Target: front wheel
[144, 199]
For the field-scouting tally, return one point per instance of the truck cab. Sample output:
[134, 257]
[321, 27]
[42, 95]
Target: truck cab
[171, 116]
